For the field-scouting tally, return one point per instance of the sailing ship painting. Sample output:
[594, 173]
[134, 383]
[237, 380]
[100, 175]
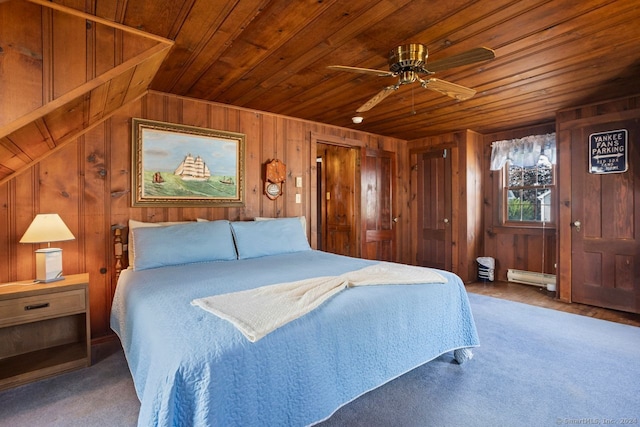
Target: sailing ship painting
[191, 169]
[185, 166]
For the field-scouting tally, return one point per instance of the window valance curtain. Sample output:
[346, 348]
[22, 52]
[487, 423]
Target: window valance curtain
[523, 152]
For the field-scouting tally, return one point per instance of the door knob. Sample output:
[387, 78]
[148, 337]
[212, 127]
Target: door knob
[576, 224]
[446, 220]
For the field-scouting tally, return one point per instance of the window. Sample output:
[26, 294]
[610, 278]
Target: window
[528, 184]
[528, 191]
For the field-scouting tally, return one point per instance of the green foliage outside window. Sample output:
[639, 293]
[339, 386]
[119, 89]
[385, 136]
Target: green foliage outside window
[528, 192]
[521, 210]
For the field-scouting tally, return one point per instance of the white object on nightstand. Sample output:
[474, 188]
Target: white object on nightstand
[48, 265]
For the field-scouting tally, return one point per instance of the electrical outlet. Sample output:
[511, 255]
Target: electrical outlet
[298, 198]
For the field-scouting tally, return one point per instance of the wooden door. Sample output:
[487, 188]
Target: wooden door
[605, 209]
[377, 184]
[434, 209]
[337, 200]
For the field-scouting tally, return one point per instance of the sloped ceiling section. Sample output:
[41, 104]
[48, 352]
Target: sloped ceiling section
[74, 79]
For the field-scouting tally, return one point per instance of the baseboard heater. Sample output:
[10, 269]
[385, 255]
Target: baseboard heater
[543, 280]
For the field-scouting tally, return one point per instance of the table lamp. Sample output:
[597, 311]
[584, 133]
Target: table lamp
[47, 228]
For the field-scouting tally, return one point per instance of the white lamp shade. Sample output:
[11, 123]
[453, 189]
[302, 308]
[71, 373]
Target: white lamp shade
[47, 228]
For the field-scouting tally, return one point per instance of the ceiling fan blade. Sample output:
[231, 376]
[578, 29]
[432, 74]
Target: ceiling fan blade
[469, 57]
[377, 98]
[379, 73]
[450, 89]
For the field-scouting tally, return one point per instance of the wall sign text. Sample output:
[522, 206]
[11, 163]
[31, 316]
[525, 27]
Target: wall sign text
[608, 152]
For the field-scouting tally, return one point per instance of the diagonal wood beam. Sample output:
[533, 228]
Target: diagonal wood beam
[87, 16]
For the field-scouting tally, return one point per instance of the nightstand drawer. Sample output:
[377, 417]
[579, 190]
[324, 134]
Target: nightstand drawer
[37, 307]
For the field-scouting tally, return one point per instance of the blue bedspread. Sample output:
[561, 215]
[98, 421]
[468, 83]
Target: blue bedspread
[191, 368]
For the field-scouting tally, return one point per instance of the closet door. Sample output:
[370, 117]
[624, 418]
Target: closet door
[434, 209]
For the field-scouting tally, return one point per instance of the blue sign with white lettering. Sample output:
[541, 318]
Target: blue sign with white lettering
[608, 152]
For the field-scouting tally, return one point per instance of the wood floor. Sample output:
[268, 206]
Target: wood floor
[541, 297]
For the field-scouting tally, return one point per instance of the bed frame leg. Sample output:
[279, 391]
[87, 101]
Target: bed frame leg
[462, 355]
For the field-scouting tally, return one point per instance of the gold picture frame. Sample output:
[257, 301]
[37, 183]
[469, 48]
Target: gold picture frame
[186, 166]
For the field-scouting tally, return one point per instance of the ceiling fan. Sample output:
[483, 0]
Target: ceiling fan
[409, 61]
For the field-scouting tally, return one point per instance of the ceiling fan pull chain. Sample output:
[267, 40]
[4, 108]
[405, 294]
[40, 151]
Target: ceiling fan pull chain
[413, 107]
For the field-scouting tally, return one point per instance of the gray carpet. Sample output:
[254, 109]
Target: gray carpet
[101, 395]
[535, 367]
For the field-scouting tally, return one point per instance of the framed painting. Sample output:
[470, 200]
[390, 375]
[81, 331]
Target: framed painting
[179, 165]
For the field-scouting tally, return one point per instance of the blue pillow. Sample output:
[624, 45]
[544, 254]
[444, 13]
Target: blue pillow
[183, 244]
[261, 238]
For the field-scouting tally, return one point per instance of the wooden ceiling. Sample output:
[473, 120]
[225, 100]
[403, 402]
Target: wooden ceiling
[272, 55]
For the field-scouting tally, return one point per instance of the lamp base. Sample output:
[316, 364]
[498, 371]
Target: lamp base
[48, 265]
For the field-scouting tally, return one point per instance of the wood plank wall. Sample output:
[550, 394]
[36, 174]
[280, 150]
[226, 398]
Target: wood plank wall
[88, 183]
[531, 249]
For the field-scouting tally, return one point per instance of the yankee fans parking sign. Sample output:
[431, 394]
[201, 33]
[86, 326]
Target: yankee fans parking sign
[608, 152]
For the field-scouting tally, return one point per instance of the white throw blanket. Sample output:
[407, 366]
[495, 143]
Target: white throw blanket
[257, 312]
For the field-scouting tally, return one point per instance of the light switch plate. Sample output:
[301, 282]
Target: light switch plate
[299, 181]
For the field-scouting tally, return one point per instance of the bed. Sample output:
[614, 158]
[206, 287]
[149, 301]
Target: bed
[193, 367]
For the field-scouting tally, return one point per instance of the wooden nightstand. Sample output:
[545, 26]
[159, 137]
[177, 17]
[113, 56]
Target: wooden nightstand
[44, 329]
